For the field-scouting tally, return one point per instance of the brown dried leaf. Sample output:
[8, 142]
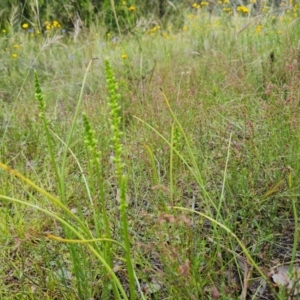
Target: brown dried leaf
[215, 293]
[185, 220]
[185, 268]
[167, 218]
[160, 187]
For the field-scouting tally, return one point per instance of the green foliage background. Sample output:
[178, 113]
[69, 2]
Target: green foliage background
[90, 11]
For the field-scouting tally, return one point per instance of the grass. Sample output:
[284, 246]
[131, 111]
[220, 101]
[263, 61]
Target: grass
[180, 180]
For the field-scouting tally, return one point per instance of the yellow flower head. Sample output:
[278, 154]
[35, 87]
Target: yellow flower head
[56, 24]
[16, 46]
[184, 28]
[25, 26]
[3, 31]
[259, 28]
[243, 9]
[131, 8]
[124, 56]
[14, 55]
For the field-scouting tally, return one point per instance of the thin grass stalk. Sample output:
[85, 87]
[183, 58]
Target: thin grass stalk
[197, 172]
[74, 253]
[70, 136]
[79, 166]
[155, 176]
[151, 76]
[54, 200]
[171, 189]
[85, 179]
[79, 235]
[224, 178]
[96, 215]
[72, 241]
[295, 242]
[38, 14]
[18, 96]
[42, 107]
[244, 249]
[191, 169]
[67, 212]
[113, 8]
[107, 253]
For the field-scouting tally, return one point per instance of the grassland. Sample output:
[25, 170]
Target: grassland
[189, 179]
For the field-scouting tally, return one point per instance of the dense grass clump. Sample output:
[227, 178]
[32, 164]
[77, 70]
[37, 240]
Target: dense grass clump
[161, 163]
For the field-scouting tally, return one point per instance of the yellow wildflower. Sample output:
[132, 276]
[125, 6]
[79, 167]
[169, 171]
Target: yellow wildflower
[14, 55]
[25, 26]
[184, 28]
[56, 24]
[16, 46]
[3, 31]
[124, 56]
[48, 27]
[258, 28]
[131, 8]
[243, 9]
[155, 28]
[124, 3]
[194, 5]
